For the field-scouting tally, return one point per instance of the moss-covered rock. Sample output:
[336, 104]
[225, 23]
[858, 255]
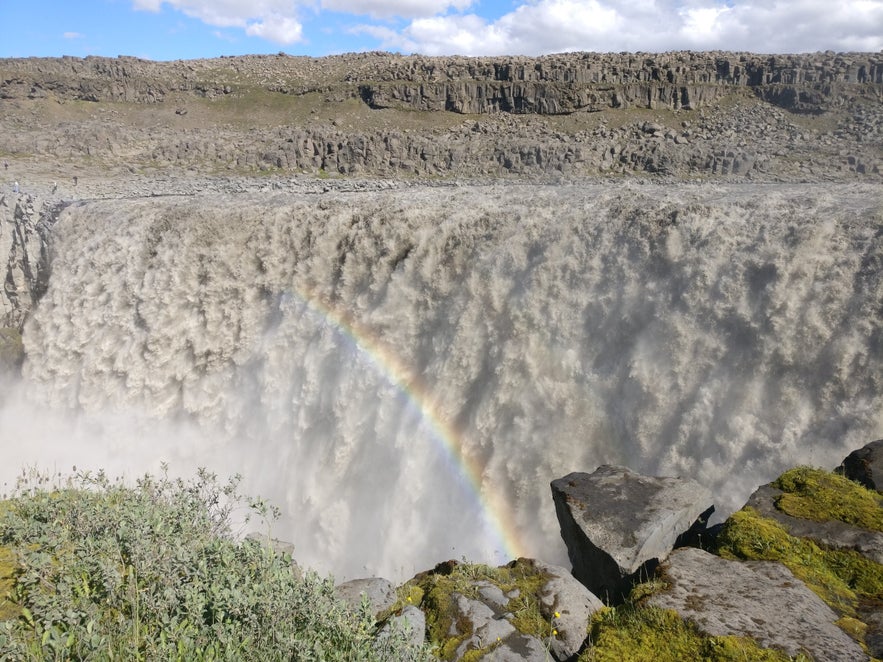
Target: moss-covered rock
[512, 592]
[821, 496]
[848, 581]
[635, 633]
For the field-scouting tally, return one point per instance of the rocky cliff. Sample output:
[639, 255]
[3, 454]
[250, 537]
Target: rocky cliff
[24, 254]
[678, 115]
[553, 84]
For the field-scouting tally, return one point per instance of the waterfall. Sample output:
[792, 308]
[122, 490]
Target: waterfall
[403, 372]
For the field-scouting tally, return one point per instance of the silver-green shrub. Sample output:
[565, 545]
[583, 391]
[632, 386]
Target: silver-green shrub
[105, 571]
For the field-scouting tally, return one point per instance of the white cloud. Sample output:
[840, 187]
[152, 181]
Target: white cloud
[547, 26]
[401, 8]
[73, 35]
[441, 27]
[275, 20]
[279, 29]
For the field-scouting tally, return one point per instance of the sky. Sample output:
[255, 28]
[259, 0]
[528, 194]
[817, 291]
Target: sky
[186, 29]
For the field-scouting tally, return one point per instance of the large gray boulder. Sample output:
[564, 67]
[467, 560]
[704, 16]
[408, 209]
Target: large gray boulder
[865, 466]
[618, 525]
[378, 592]
[758, 599]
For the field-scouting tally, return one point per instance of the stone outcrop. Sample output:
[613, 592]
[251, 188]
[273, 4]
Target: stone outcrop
[378, 593]
[558, 116]
[865, 466]
[762, 600]
[618, 525]
[551, 84]
[568, 606]
[24, 255]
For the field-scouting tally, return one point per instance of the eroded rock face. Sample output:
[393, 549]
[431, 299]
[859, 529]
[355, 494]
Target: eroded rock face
[23, 256]
[518, 101]
[618, 524]
[762, 600]
[865, 466]
[550, 84]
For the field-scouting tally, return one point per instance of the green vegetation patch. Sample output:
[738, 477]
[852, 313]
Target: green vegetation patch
[632, 633]
[8, 570]
[106, 571]
[820, 495]
[436, 590]
[841, 578]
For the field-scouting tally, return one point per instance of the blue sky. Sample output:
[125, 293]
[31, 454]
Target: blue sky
[184, 29]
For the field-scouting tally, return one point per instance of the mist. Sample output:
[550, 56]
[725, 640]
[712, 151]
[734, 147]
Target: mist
[404, 372]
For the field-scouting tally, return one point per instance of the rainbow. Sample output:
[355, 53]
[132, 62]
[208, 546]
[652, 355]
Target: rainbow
[497, 515]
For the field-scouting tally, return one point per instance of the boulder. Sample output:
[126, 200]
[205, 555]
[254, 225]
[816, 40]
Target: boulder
[758, 599]
[618, 525]
[380, 593]
[568, 606]
[865, 466]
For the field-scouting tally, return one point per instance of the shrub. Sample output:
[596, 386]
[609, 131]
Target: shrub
[153, 572]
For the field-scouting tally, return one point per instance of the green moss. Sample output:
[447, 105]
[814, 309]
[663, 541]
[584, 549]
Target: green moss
[438, 589]
[853, 627]
[841, 578]
[820, 495]
[646, 589]
[650, 634]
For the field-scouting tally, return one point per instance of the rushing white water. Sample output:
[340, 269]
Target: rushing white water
[327, 346]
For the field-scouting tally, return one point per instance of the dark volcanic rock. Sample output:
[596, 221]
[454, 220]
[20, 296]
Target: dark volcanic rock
[758, 599]
[865, 466]
[618, 525]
